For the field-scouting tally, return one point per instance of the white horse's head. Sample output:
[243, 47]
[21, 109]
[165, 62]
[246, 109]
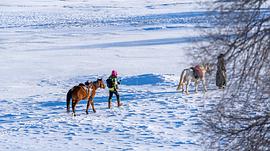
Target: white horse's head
[208, 67]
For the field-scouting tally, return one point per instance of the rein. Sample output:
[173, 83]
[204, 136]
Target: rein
[94, 86]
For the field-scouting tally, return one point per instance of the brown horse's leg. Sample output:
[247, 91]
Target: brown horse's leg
[93, 107]
[74, 103]
[88, 104]
[90, 101]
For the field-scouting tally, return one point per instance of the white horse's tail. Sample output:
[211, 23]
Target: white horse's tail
[183, 74]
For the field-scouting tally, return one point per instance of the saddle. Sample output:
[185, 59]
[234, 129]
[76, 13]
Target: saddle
[197, 72]
[85, 86]
[82, 85]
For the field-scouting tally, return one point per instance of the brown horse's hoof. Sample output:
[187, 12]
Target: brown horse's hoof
[94, 111]
[73, 114]
[86, 112]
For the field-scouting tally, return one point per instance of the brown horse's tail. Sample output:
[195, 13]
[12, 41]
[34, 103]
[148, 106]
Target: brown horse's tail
[69, 96]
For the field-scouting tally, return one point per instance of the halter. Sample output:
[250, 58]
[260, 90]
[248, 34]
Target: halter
[96, 85]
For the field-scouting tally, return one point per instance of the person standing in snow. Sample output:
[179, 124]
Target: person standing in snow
[221, 72]
[112, 83]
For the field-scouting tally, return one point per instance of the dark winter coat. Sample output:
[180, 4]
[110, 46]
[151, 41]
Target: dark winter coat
[221, 72]
[115, 83]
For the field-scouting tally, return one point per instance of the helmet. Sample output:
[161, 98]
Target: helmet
[114, 73]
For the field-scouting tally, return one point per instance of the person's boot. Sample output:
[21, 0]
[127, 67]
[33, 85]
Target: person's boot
[118, 103]
[109, 104]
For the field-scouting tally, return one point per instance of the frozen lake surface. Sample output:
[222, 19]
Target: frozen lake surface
[47, 47]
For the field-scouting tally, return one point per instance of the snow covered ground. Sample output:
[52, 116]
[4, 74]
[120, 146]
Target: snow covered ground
[46, 47]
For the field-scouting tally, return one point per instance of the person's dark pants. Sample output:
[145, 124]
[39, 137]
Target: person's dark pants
[110, 98]
[111, 95]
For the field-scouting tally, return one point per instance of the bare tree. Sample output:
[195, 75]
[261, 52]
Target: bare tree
[241, 118]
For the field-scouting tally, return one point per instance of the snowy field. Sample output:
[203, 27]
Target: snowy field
[48, 46]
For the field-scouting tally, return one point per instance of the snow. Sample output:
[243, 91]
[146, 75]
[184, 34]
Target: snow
[47, 47]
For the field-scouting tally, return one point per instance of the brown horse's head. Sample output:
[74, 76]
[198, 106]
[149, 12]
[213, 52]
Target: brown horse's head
[100, 83]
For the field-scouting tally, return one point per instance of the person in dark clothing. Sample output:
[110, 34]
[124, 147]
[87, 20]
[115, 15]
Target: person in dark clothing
[221, 72]
[113, 88]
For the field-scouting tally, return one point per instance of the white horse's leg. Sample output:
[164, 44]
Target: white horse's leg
[196, 86]
[204, 85]
[188, 82]
[183, 90]
[179, 86]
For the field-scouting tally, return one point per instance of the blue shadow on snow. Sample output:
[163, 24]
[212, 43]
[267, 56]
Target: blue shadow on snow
[145, 79]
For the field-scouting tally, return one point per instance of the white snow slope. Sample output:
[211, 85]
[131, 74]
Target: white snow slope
[47, 47]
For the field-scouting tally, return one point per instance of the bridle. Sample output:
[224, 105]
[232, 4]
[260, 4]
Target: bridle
[97, 84]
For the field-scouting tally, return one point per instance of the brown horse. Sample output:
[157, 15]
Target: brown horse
[83, 92]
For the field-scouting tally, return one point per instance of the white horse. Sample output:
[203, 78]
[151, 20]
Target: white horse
[188, 75]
